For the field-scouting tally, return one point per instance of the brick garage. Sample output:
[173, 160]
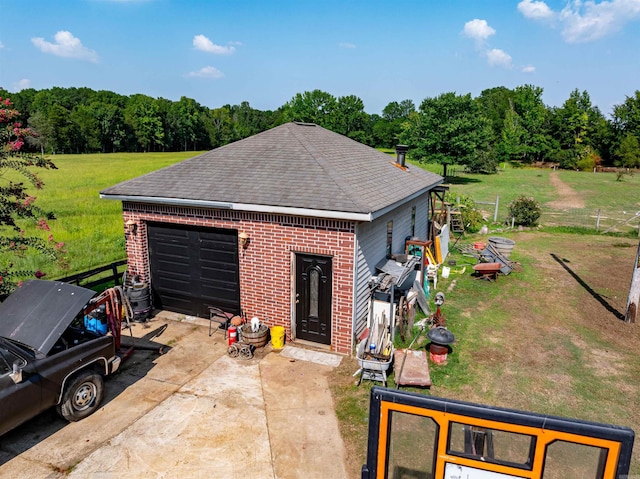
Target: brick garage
[300, 193]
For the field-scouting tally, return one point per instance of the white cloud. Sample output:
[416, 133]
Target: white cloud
[529, 69]
[206, 72]
[202, 43]
[346, 45]
[22, 84]
[1, 45]
[477, 29]
[67, 46]
[585, 20]
[535, 10]
[497, 57]
[480, 31]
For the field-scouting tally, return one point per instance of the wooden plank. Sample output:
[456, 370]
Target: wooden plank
[422, 298]
[633, 303]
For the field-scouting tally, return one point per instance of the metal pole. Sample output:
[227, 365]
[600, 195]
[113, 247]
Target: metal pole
[495, 211]
[598, 221]
[633, 302]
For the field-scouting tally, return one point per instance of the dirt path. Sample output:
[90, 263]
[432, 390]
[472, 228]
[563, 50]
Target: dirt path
[569, 198]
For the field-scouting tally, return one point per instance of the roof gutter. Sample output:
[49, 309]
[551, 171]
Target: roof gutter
[272, 209]
[384, 211]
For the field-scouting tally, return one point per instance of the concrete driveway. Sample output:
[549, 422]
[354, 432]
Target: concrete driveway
[193, 412]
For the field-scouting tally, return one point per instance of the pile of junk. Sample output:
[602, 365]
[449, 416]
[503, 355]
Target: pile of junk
[402, 285]
[493, 257]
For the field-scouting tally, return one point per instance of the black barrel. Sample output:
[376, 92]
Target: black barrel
[139, 297]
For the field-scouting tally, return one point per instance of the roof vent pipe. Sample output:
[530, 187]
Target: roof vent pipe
[401, 152]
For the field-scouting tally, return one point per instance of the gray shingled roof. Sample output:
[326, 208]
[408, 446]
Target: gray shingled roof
[294, 165]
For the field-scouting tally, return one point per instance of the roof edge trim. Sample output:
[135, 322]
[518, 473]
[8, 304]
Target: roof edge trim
[383, 211]
[337, 215]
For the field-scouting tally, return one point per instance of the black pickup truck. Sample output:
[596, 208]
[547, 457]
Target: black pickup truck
[54, 351]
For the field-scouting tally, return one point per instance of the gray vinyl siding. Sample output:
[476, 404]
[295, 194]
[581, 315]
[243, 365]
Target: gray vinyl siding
[371, 243]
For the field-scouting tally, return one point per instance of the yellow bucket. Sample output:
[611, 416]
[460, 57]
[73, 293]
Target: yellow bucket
[277, 337]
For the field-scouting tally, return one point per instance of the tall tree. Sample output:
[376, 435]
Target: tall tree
[628, 152]
[387, 129]
[248, 121]
[61, 128]
[40, 125]
[536, 141]
[312, 107]
[510, 147]
[574, 127]
[450, 129]
[142, 115]
[626, 117]
[350, 117]
[184, 119]
[85, 125]
[626, 121]
[220, 126]
[110, 125]
[495, 104]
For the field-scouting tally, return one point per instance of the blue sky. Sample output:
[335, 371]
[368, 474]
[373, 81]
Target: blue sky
[264, 52]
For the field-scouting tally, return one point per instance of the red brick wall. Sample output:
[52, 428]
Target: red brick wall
[266, 265]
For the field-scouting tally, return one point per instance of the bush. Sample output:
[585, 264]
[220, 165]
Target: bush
[525, 211]
[471, 216]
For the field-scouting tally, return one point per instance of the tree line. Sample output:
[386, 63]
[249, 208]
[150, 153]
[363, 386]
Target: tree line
[499, 125]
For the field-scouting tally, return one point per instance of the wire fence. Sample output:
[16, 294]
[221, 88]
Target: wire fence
[600, 220]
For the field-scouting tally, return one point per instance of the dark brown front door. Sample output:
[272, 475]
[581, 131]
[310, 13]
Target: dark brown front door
[313, 298]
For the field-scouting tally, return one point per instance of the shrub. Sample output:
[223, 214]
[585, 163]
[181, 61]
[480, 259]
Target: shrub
[524, 210]
[471, 216]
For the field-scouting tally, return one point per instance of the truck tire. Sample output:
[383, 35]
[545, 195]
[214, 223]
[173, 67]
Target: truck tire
[82, 396]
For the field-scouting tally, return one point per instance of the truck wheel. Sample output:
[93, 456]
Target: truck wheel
[82, 396]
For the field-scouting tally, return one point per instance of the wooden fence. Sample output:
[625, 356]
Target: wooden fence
[106, 276]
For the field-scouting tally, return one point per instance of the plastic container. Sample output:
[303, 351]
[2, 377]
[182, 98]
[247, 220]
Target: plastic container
[438, 353]
[277, 337]
[97, 325]
[139, 297]
[504, 246]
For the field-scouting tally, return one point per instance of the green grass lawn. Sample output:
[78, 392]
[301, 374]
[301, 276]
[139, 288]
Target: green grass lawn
[91, 228]
[597, 190]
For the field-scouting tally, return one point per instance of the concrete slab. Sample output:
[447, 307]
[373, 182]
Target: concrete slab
[193, 412]
[214, 426]
[303, 428]
[318, 357]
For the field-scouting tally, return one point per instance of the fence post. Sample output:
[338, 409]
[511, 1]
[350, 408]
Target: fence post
[598, 221]
[495, 210]
[634, 292]
[116, 277]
